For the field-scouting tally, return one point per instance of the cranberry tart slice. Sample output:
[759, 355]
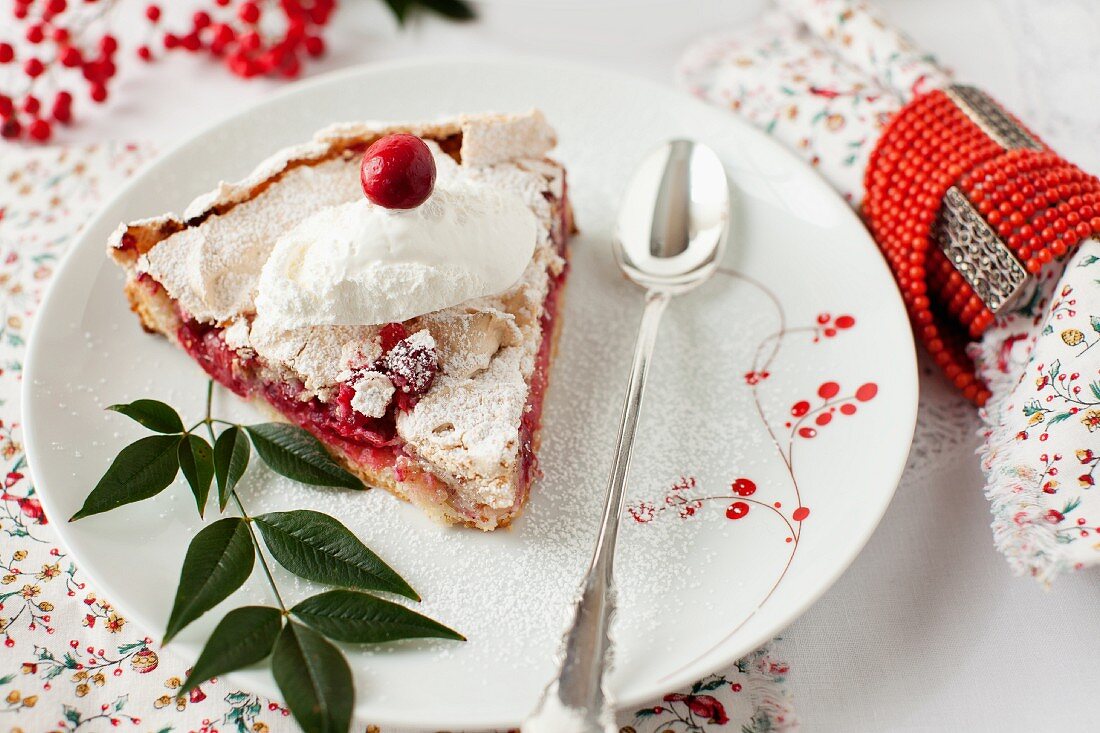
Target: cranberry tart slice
[294, 290]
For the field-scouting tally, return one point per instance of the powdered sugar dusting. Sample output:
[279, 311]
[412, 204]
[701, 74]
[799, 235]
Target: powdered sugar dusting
[489, 141]
[212, 269]
[373, 392]
[468, 427]
[319, 357]
[469, 338]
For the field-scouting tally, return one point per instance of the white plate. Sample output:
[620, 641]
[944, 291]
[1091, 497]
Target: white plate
[696, 592]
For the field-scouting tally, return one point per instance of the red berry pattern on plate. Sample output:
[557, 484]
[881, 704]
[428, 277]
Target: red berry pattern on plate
[829, 326]
[398, 172]
[682, 498]
[746, 502]
[737, 510]
[832, 404]
[744, 487]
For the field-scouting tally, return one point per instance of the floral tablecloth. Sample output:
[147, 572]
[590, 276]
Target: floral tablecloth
[70, 660]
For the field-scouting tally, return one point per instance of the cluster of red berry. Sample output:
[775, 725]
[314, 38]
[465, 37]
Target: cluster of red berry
[58, 35]
[63, 38]
[234, 34]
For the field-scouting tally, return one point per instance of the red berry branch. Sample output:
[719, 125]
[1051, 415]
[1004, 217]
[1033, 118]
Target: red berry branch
[56, 46]
[252, 37]
[58, 35]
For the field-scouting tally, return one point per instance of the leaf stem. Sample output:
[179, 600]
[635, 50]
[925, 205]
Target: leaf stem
[240, 505]
[208, 423]
[260, 552]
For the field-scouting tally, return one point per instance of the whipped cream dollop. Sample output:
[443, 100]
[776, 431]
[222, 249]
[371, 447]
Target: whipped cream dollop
[361, 264]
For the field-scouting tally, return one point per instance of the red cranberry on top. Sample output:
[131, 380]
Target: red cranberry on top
[398, 172]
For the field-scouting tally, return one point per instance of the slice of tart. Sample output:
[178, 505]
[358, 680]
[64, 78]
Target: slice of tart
[415, 344]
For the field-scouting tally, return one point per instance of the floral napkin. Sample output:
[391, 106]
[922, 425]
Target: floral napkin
[70, 659]
[824, 76]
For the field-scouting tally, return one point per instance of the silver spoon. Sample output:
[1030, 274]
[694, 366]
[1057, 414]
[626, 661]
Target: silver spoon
[672, 230]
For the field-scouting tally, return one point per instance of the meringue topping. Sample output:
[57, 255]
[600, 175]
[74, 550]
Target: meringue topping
[361, 264]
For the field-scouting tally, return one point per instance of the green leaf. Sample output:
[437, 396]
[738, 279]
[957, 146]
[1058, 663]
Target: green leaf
[400, 9]
[1094, 321]
[1059, 418]
[245, 636]
[152, 414]
[452, 9]
[218, 561]
[1095, 387]
[141, 470]
[317, 547]
[315, 680]
[348, 615]
[1055, 368]
[293, 452]
[197, 463]
[231, 453]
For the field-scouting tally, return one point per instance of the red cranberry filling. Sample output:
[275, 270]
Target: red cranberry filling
[338, 421]
[410, 366]
[368, 440]
[127, 243]
[205, 344]
[532, 414]
[391, 333]
[371, 440]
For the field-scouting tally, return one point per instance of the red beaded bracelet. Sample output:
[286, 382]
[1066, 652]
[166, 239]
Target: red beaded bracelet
[941, 145]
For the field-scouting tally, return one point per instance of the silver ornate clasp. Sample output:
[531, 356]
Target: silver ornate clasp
[970, 243]
[990, 268]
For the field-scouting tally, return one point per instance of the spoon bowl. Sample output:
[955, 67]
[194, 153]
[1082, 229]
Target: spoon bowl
[674, 218]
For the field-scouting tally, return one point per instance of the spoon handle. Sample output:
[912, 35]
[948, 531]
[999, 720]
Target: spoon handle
[578, 690]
